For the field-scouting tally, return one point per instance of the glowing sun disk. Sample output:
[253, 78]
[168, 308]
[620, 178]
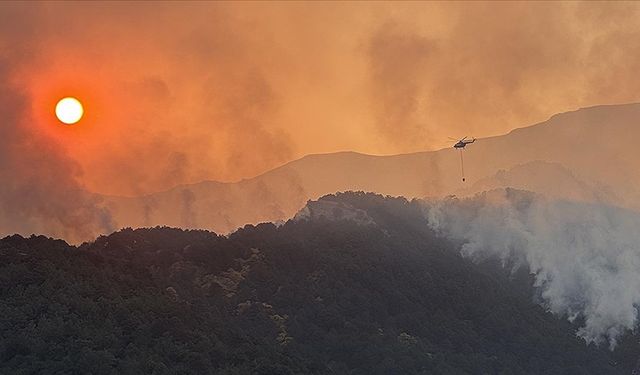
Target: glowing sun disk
[69, 110]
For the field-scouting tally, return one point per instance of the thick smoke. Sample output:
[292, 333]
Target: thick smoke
[456, 69]
[39, 192]
[195, 91]
[585, 257]
[396, 90]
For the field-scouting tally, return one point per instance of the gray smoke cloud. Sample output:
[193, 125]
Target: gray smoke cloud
[585, 257]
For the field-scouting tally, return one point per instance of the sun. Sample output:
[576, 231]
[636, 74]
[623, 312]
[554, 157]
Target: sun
[69, 110]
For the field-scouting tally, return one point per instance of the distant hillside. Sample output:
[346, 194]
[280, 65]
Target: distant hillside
[596, 145]
[357, 283]
[550, 179]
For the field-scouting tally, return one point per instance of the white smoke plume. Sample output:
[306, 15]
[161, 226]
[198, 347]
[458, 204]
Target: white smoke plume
[585, 257]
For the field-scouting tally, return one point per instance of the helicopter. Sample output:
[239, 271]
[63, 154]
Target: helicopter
[460, 145]
[463, 142]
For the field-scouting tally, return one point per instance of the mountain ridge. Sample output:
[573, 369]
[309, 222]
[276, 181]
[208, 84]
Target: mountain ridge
[363, 154]
[585, 141]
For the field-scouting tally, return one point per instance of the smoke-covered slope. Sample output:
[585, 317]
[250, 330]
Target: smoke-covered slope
[596, 145]
[357, 283]
[585, 257]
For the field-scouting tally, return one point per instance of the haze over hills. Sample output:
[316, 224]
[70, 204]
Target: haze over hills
[596, 147]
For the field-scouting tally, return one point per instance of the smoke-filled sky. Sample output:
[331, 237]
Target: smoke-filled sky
[181, 92]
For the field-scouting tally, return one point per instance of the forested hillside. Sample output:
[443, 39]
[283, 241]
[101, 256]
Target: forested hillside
[359, 285]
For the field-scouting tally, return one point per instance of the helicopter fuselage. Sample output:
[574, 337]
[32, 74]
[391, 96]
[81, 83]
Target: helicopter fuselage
[463, 143]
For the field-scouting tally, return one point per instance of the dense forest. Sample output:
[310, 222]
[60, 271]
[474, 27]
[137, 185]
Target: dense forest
[356, 284]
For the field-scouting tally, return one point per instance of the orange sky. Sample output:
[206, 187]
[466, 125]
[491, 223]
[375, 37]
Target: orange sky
[181, 92]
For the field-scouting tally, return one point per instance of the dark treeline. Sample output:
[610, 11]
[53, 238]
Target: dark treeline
[321, 296]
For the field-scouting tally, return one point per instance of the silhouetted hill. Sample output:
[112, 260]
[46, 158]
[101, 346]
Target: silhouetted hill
[358, 283]
[595, 145]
